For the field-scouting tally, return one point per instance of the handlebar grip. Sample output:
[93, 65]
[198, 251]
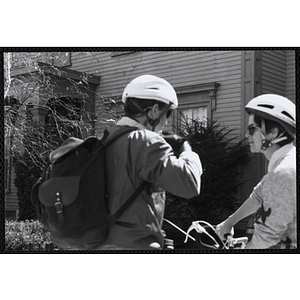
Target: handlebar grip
[226, 235]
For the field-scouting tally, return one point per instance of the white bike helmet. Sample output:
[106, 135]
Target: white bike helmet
[276, 108]
[152, 88]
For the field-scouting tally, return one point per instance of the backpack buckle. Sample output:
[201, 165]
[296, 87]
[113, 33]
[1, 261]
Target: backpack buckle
[59, 210]
[58, 205]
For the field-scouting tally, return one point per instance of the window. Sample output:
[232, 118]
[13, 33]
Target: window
[188, 113]
[194, 107]
[196, 102]
[199, 113]
[61, 59]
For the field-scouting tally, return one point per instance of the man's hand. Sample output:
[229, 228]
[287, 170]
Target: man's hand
[178, 143]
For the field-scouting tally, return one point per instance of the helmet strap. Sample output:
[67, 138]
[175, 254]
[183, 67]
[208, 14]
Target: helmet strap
[265, 144]
[263, 127]
[152, 122]
[141, 110]
[279, 139]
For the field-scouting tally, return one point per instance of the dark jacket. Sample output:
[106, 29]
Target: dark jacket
[138, 156]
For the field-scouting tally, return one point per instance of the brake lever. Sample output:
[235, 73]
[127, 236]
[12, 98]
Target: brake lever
[232, 242]
[195, 225]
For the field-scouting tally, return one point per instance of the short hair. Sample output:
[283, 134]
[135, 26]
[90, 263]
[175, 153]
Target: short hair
[131, 110]
[272, 124]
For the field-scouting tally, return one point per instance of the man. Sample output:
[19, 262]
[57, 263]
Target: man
[144, 155]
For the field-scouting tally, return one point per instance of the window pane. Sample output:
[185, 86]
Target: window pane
[62, 59]
[199, 113]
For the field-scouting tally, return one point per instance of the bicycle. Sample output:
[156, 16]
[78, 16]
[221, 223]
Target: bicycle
[206, 236]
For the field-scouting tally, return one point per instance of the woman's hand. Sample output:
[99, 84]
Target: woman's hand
[224, 228]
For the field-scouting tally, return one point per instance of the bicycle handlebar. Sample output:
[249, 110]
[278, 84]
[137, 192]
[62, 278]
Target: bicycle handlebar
[228, 243]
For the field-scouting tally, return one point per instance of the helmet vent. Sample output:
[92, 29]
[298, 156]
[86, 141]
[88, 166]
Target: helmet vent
[266, 106]
[153, 88]
[288, 115]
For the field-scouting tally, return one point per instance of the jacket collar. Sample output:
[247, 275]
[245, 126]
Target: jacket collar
[126, 121]
[278, 154]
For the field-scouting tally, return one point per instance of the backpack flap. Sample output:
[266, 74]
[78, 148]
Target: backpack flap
[59, 192]
[67, 146]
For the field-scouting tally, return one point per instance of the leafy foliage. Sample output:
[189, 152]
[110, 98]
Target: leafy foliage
[29, 160]
[221, 159]
[40, 115]
[26, 236]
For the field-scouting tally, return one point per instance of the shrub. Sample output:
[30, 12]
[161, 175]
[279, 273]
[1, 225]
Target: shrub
[221, 159]
[26, 236]
[30, 160]
[27, 174]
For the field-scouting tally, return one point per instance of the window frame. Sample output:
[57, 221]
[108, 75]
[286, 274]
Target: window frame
[195, 96]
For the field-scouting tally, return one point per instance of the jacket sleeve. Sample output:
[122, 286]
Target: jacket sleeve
[156, 163]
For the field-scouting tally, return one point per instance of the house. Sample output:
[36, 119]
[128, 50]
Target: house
[209, 83]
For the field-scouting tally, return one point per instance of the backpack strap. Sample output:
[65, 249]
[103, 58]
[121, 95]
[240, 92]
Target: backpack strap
[113, 218]
[106, 139]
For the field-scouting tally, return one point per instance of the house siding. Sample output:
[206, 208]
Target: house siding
[278, 73]
[11, 198]
[290, 75]
[240, 79]
[180, 68]
[274, 72]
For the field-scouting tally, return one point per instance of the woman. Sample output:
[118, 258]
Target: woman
[271, 130]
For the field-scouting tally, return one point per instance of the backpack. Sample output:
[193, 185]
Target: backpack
[70, 196]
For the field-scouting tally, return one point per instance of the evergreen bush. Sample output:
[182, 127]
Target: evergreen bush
[222, 159]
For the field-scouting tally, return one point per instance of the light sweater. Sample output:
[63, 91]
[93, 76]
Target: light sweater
[276, 195]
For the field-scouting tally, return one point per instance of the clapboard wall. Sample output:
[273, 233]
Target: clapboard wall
[11, 198]
[278, 73]
[180, 68]
[290, 75]
[275, 70]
